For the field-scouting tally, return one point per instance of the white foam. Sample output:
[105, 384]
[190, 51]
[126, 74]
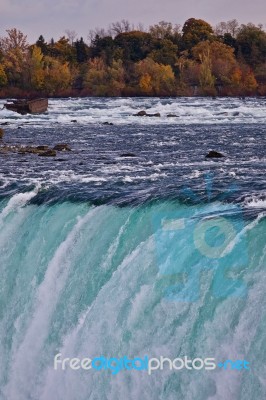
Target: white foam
[18, 201]
[121, 111]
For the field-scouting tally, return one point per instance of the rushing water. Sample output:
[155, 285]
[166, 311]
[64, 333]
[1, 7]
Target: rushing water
[93, 262]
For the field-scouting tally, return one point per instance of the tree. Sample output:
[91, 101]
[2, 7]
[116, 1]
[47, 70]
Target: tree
[36, 68]
[230, 27]
[62, 49]
[165, 53]
[155, 79]
[57, 75]
[100, 32]
[249, 82]
[165, 30]
[221, 60]
[251, 43]
[206, 78]
[104, 80]
[103, 48]
[14, 40]
[82, 51]
[3, 77]
[14, 48]
[135, 45]
[41, 43]
[195, 31]
[71, 35]
[120, 27]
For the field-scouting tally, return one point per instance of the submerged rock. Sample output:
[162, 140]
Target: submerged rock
[214, 154]
[153, 115]
[74, 120]
[108, 123]
[171, 115]
[128, 155]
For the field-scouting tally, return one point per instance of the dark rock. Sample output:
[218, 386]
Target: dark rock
[1, 133]
[19, 127]
[141, 113]
[4, 123]
[128, 155]
[214, 154]
[108, 123]
[171, 115]
[44, 148]
[74, 120]
[235, 113]
[62, 147]
[48, 153]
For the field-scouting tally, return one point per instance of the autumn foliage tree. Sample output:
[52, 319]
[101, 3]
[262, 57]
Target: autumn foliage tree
[155, 79]
[123, 60]
[103, 80]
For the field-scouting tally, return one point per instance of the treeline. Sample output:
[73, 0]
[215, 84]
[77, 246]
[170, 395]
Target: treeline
[166, 60]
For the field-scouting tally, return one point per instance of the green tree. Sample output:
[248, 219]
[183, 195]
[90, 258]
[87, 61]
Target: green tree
[135, 45]
[195, 31]
[166, 52]
[41, 43]
[251, 43]
[82, 51]
[103, 48]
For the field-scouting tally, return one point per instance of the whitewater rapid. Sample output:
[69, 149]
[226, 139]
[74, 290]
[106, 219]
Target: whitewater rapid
[121, 111]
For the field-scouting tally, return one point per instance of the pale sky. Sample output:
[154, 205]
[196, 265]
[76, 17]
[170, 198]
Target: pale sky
[52, 17]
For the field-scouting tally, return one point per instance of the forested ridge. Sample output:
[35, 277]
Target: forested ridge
[164, 60]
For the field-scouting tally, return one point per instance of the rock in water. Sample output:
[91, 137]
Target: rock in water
[153, 115]
[1, 133]
[42, 148]
[141, 113]
[48, 153]
[128, 155]
[62, 147]
[214, 154]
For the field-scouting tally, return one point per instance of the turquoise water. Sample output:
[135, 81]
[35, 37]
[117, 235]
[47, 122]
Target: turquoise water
[85, 281]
